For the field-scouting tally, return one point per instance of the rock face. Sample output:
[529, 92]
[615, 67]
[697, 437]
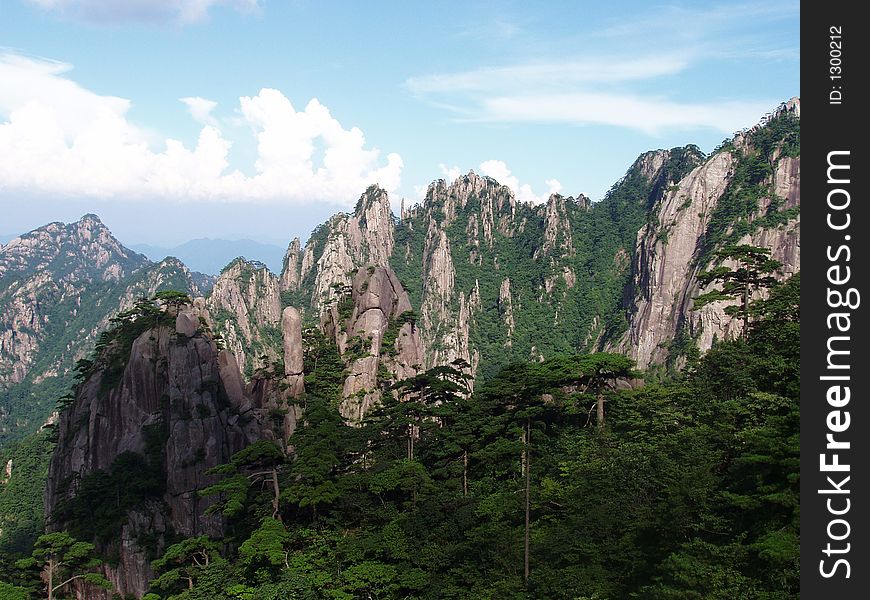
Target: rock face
[179, 401]
[291, 327]
[43, 275]
[292, 263]
[494, 279]
[59, 285]
[672, 248]
[245, 307]
[375, 330]
[344, 243]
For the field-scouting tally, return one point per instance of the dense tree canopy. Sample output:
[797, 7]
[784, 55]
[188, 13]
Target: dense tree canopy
[514, 491]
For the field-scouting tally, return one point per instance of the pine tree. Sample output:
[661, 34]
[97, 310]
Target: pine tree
[754, 271]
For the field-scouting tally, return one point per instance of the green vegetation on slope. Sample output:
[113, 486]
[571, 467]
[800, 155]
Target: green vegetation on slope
[564, 318]
[689, 490]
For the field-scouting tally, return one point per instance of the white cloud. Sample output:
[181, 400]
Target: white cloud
[581, 93]
[200, 109]
[450, 173]
[625, 73]
[554, 186]
[550, 75]
[650, 115]
[112, 11]
[60, 138]
[499, 171]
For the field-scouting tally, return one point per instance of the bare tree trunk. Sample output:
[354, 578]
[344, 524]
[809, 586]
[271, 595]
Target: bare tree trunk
[277, 495]
[50, 579]
[599, 405]
[528, 457]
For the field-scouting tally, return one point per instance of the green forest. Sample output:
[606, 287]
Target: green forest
[562, 479]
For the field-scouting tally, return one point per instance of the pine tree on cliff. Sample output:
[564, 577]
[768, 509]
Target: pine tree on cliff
[64, 560]
[754, 271]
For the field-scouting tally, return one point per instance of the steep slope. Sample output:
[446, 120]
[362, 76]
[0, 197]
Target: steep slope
[375, 329]
[158, 406]
[245, 306]
[341, 245]
[746, 193]
[59, 285]
[42, 277]
[495, 280]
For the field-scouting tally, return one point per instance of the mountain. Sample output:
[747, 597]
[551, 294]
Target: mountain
[470, 282]
[59, 285]
[179, 407]
[748, 192]
[493, 280]
[207, 255]
[496, 280]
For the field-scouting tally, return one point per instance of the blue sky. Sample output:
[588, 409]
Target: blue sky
[179, 119]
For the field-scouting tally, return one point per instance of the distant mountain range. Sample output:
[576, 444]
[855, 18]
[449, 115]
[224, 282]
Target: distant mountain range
[206, 255]
[209, 256]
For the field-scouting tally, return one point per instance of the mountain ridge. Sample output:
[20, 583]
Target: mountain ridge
[493, 279]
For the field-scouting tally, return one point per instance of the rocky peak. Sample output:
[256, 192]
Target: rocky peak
[695, 214]
[557, 226]
[376, 332]
[168, 405]
[85, 249]
[43, 277]
[649, 164]
[347, 242]
[371, 228]
[292, 263]
[245, 306]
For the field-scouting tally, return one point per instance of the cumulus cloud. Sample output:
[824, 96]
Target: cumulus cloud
[113, 11]
[200, 109]
[450, 173]
[554, 186]
[499, 171]
[63, 139]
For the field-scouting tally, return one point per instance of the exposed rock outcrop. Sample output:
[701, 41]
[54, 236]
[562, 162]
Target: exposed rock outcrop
[292, 264]
[291, 327]
[347, 242]
[378, 339]
[667, 258]
[245, 306]
[44, 276]
[178, 401]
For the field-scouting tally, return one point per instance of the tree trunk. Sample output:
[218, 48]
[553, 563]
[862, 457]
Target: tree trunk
[528, 457]
[599, 405]
[277, 495]
[50, 579]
